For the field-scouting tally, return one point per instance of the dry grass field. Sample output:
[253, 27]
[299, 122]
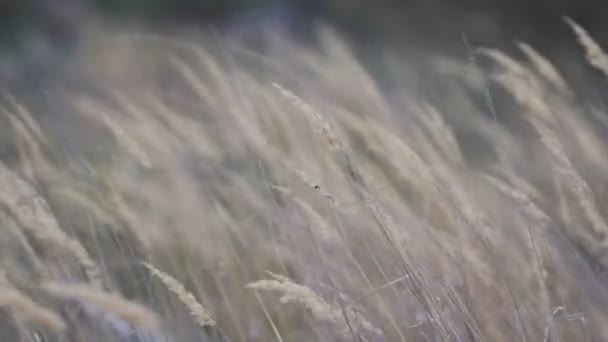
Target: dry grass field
[211, 190]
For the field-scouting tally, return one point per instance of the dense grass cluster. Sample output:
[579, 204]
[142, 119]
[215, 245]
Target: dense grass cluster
[216, 191]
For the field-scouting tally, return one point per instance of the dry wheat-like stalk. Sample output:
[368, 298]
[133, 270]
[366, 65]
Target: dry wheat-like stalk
[440, 132]
[112, 303]
[520, 197]
[528, 93]
[504, 60]
[579, 187]
[563, 165]
[26, 116]
[320, 124]
[322, 227]
[595, 54]
[545, 68]
[197, 311]
[309, 182]
[131, 146]
[292, 292]
[25, 309]
[27, 146]
[522, 84]
[34, 214]
[542, 261]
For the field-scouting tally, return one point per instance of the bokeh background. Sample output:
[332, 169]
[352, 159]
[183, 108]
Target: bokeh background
[37, 33]
[487, 21]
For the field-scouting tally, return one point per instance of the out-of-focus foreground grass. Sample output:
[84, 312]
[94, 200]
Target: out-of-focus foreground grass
[205, 190]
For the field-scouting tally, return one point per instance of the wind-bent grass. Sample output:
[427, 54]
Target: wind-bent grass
[287, 172]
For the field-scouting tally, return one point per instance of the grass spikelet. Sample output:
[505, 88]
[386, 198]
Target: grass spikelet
[595, 54]
[292, 292]
[440, 132]
[27, 146]
[319, 122]
[25, 309]
[520, 197]
[542, 219]
[131, 146]
[320, 224]
[504, 60]
[112, 303]
[575, 182]
[309, 182]
[531, 98]
[545, 68]
[200, 315]
[25, 115]
[34, 214]
[523, 86]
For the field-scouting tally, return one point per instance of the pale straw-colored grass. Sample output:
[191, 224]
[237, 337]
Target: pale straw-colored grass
[34, 215]
[595, 54]
[292, 292]
[200, 315]
[223, 163]
[26, 310]
[110, 303]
